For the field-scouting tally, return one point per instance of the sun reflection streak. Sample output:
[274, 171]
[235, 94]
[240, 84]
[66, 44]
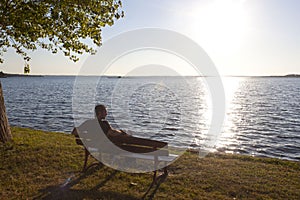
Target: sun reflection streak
[231, 86]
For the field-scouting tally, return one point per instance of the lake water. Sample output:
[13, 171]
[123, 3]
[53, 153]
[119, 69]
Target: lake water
[262, 113]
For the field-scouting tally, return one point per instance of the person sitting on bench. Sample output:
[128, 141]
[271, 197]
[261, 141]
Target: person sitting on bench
[101, 113]
[100, 139]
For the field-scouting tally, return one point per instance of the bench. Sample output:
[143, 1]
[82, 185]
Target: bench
[135, 148]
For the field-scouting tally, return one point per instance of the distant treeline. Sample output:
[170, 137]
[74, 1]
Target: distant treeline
[5, 75]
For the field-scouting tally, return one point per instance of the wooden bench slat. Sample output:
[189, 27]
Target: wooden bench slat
[141, 149]
[137, 141]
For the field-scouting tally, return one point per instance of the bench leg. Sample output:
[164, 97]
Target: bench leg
[154, 177]
[156, 180]
[86, 156]
[151, 185]
[166, 171]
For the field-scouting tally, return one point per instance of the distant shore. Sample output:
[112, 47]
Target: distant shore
[5, 75]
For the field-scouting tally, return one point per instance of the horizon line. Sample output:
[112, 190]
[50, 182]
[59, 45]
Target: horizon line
[122, 76]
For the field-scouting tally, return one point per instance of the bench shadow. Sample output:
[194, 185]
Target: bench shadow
[88, 194]
[65, 191]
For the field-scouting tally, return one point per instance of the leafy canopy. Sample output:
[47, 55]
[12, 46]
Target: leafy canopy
[55, 25]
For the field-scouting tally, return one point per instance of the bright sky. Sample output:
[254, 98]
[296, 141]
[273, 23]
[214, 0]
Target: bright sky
[242, 37]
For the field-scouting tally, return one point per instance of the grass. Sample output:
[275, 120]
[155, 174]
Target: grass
[43, 165]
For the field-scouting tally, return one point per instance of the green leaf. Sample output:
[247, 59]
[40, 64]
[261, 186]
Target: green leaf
[55, 25]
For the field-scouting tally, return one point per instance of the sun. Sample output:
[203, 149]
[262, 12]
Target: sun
[219, 26]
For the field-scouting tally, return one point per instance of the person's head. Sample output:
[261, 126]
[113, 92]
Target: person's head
[100, 111]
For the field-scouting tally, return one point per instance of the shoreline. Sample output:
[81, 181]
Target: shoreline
[194, 150]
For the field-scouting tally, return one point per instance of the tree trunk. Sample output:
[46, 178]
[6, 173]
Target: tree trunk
[5, 134]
